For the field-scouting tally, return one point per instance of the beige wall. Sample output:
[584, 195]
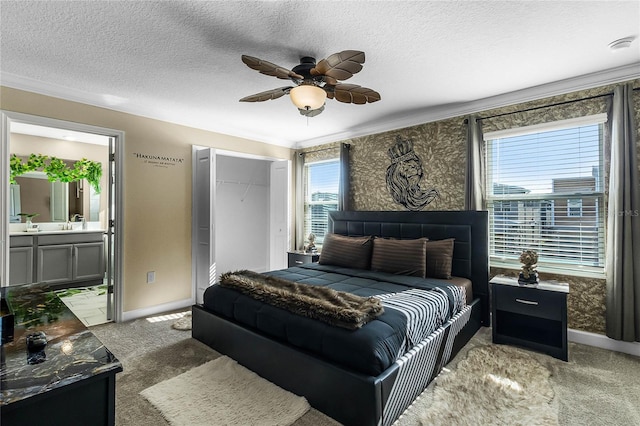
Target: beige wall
[157, 200]
[441, 146]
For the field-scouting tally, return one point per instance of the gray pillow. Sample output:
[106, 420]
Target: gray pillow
[350, 252]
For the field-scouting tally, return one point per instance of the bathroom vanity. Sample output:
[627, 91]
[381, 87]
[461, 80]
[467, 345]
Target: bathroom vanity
[58, 258]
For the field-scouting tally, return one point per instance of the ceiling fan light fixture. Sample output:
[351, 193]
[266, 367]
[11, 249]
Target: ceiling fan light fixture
[308, 97]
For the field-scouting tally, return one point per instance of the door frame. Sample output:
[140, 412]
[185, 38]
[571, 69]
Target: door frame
[194, 226]
[118, 137]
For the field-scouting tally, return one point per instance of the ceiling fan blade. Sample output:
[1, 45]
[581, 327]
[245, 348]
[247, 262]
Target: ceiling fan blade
[341, 65]
[268, 95]
[268, 68]
[330, 80]
[354, 94]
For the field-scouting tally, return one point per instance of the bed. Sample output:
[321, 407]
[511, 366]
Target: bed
[372, 390]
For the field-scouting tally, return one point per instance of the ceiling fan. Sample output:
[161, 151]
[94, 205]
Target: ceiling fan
[314, 83]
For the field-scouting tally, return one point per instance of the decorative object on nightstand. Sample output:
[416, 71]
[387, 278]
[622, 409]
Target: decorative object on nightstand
[528, 275]
[532, 317]
[311, 247]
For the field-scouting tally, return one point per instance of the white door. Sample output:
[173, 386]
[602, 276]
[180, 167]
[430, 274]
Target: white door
[204, 188]
[279, 215]
[4, 198]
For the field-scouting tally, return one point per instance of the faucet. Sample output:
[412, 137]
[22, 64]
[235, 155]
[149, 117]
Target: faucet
[79, 218]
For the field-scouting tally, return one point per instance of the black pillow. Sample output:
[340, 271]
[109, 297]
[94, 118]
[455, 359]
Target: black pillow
[403, 257]
[440, 258]
[350, 252]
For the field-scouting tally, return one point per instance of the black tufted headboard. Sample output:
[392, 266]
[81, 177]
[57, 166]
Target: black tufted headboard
[469, 228]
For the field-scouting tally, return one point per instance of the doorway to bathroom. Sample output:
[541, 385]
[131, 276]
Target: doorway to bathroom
[72, 242]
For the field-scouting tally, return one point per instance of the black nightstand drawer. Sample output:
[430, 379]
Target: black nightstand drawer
[295, 259]
[530, 301]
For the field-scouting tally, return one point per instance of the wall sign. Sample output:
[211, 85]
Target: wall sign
[404, 176]
[158, 160]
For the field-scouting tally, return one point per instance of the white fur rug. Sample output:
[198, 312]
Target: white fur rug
[183, 323]
[222, 392]
[493, 385]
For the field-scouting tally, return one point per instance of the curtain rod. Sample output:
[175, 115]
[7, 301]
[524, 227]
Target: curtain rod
[548, 106]
[322, 149]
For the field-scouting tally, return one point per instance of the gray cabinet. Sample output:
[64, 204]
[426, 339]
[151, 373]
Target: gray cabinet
[70, 257]
[21, 260]
[88, 261]
[58, 259]
[55, 264]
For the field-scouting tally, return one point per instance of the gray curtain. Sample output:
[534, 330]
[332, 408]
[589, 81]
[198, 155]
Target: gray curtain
[475, 174]
[344, 186]
[623, 221]
[299, 203]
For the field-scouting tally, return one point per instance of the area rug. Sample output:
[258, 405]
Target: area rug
[493, 385]
[222, 392]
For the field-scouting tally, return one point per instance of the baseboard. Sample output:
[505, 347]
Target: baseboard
[157, 309]
[602, 341]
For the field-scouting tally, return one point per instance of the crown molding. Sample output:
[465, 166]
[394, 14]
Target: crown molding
[119, 104]
[443, 112]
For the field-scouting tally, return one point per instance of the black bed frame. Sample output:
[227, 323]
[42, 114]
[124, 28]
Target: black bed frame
[349, 397]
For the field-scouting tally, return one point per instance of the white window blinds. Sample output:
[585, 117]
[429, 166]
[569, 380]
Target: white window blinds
[545, 192]
[321, 196]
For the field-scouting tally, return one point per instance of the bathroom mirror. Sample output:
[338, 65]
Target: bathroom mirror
[52, 201]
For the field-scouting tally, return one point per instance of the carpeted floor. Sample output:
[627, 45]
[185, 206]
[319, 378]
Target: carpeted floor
[596, 387]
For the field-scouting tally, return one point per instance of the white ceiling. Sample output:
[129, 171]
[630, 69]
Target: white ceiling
[179, 61]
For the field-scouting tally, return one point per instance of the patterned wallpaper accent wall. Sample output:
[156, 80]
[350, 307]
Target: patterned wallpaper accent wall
[441, 146]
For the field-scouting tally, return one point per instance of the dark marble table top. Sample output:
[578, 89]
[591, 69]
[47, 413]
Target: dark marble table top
[72, 352]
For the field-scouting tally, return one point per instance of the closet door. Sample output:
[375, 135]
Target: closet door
[279, 214]
[203, 194]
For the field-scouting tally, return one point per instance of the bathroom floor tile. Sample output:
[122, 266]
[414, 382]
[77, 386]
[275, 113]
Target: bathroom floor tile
[88, 304]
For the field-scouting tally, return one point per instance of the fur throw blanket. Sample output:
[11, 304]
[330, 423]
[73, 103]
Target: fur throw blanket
[322, 303]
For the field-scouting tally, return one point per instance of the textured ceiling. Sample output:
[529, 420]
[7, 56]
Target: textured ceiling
[180, 60]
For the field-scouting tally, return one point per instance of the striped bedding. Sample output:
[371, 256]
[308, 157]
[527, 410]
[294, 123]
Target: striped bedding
[414, 309]
[425, 310]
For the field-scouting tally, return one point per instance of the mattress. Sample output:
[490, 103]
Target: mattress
[370, 349]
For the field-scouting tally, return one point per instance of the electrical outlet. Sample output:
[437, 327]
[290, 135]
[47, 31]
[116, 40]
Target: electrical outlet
[151, 277]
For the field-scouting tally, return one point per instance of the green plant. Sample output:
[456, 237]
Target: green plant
[57, 170]
[29, 215]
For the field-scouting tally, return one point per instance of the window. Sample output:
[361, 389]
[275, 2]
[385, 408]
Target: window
[545, 192]
[320, 196]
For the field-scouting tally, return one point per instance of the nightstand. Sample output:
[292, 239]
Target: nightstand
[528, 316]
[299, 257]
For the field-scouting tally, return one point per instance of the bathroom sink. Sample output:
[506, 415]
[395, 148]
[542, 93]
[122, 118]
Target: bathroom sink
[56, 231]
